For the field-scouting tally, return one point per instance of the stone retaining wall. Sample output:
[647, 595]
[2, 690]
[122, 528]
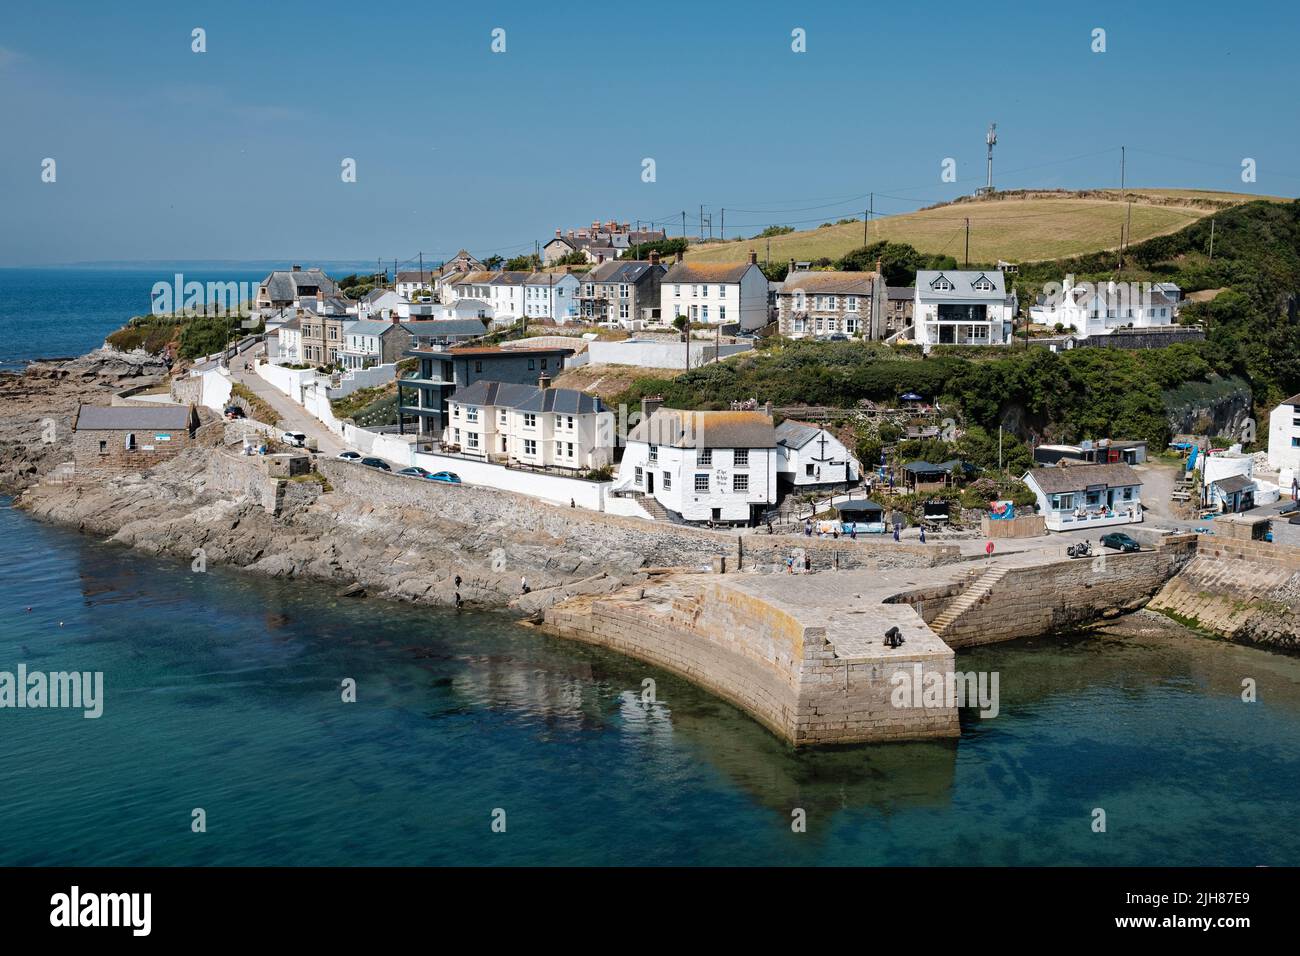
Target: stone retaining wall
[759, 657]
[1035, 600]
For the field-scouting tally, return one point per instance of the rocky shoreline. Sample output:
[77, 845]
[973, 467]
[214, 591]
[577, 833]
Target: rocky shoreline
[206, 503]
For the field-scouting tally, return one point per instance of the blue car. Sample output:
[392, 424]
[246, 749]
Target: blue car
[450, 477]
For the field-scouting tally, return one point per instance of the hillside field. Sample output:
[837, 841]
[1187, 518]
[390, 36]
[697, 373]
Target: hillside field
[1037, 226]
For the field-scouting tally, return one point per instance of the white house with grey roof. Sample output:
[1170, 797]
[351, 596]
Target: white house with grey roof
[623, 292]
[1087, 309]
[551, 295]
[702, 466]
[713, 293]
[370, 342]
[810, 457]
[963, 308]
[534, 425]
[1083, 497]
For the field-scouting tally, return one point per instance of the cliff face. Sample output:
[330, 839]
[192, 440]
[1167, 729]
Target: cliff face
[1221, 407]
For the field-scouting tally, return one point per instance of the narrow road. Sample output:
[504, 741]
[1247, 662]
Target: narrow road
[294, 417]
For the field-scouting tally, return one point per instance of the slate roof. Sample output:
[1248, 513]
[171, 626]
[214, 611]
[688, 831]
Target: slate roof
[822, 281]
[414, 276]
[962, 283]
[858, 504]
[794, 434]
[528, 398]
[133, 417]
[1293, 400]
[1234, 483]
[686, 429]
[1059, 479]
[707, 271]
[898, 292]
[630, 271]
[368, 327]
[452, 327]
[282, 285]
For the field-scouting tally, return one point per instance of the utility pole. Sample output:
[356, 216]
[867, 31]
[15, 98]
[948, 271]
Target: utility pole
[865, 220]
[701, 222]
[967, 242]
[1128, 208]
[722, 226]
[1211, 238]
[683, 223]
[769, 252]
[999, 448]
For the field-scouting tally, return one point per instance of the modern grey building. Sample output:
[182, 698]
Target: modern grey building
[422, 397]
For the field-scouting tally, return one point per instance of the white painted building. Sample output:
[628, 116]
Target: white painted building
[703, 466]
[289, 345]
[812, 457]
[1083, 497]
[551, 295]
[1086, 309]
[531, 425]
[715, 293]
[408, 284]
[380, 302]
[1284, 441]
[963, 308]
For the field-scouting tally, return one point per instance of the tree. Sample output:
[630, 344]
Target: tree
[528, 263]
[492, 262]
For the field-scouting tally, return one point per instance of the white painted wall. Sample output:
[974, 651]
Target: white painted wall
[682, 465]
[1284, 439]
[591, 495]
[656, 354]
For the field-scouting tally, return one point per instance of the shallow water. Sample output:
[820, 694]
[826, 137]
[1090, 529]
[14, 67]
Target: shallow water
[222, 692]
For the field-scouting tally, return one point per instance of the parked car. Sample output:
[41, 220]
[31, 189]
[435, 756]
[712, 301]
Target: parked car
[376, 463]
[349, 456]
[1120, 542]
[297, 439]
[448, 476]
[837, 337]
[234, 411]
[415, 471]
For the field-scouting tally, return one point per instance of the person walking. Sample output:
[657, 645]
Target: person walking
[923, 536]
[807, 528]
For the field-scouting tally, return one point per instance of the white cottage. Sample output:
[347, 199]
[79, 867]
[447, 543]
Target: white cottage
[1284, 441]
[963, 308]
[811, 457]
[1087, 309]
[703, 466]
[1078, 497]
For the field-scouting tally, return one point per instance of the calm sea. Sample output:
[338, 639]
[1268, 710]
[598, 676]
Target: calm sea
[60, 312]
[222, 693]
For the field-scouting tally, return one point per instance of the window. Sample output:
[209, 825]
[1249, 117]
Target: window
[694, 291]
[103, 448]
[530, 447]
[830, 302]
[622, 310]
[568, 449]
[471, 414]
[808, 470]
[654, 453]
[530, 420]
[544, 363]
[532, 364]
[639, 475]
[455, 411]
[569, 422]
[622, 291]
[478, 366]
[1295, 442]
[1063, 502]
[798, 325]
[941, 284]
[819, 323]
[701, 484]
[740, 482]
[668, 481]
[130, 441]
[1128, 494]
[504, 446]
[455, 435]
[982, 284]
[677, 292]
[741, 458]
[722, 313]
[851, 325]
[472, 439]
[705, 456]
[851, 303]
[503, 416]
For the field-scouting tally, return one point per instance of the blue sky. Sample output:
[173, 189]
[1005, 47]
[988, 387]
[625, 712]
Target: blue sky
[235, 153]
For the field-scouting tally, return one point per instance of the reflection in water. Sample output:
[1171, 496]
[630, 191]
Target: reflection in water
[223, 691]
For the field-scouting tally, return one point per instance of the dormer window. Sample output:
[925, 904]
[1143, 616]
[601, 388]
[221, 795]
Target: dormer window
[941, 284]
[982, 284]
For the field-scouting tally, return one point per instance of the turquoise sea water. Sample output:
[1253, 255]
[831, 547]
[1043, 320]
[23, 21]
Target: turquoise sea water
[222, 692]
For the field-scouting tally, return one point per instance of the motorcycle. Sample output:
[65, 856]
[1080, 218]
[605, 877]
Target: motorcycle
[1081, 550]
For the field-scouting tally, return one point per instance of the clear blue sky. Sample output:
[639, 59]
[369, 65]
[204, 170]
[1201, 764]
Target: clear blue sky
[235, 153]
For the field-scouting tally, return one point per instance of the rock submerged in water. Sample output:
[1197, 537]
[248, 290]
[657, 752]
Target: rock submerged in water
[354, 590]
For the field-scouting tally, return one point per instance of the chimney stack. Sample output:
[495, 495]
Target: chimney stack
[544, 381]
[649, 405]
[791, 269]
[600, 258]
[753, 257]
[297, 268]
[654, 257]
[557, 234]
[392, 315]
[880, 268]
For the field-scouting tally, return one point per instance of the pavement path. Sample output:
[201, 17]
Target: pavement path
[293, 416]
